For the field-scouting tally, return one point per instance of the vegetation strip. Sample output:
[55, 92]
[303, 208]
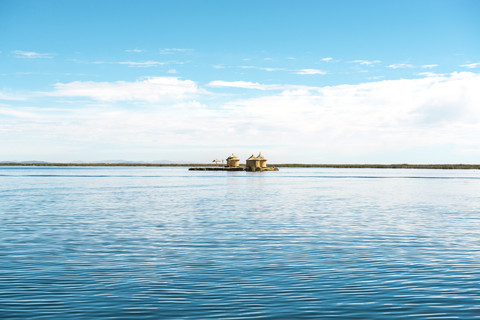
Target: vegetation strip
[287, 165]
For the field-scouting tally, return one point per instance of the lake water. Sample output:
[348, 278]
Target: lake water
[166, 243]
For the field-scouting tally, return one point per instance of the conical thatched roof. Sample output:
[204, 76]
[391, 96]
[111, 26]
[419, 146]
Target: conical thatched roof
[252, 157]
[233, 157]
[260, 157]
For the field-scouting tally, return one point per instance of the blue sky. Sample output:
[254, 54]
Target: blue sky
[301, 81]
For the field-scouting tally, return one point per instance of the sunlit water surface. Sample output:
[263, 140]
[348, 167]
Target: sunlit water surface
[166, 243]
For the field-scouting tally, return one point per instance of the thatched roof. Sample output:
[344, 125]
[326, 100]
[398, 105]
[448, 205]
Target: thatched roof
[233, 157]
[259, 157]
[252, 157]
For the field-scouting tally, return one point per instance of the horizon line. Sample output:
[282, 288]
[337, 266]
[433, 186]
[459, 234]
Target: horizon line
[284, 165]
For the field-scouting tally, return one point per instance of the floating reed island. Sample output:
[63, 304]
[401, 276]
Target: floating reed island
[253, 164]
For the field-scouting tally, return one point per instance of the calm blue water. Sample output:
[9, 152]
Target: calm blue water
[166, 243]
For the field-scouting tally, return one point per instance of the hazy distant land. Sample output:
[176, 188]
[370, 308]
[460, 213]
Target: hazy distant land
[285, 165]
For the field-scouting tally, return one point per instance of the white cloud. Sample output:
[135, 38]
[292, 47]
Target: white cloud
[79, 130]
[243, 85]
[366, 62]
[382, 121]
[156, 89]
[471, 65]
[400, 66]
[431, 74]
[258, 86]
[375, 78]
[383, 116]
[327, 59]
[429, 66]
[143, 64]
[137, 64]
[174, 50]
[428, 74]
[31, 54]
[172, 71]
[270, 69]
[134, 50]
[310, 71]
[262, 68]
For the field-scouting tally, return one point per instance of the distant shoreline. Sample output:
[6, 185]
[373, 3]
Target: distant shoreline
[286, 165]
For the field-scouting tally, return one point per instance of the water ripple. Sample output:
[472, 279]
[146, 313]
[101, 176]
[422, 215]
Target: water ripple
[133, 243]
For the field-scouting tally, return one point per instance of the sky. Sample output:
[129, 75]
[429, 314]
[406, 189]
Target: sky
[190, 81]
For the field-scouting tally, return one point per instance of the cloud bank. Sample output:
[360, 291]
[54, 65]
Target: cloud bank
[375, 119]
[155, 89]
[431, 119]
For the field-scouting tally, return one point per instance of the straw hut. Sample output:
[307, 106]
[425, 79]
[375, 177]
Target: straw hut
[253, 164]
[262, 161]
[233, 161]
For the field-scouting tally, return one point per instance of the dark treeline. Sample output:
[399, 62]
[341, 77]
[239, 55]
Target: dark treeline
[286, 165]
